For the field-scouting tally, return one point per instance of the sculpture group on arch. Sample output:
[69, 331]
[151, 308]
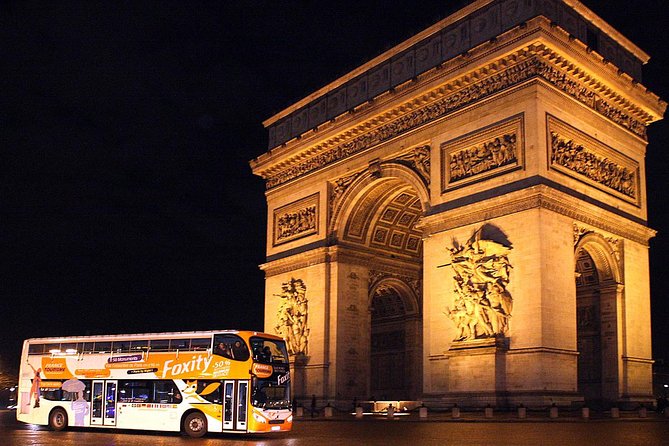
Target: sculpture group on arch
[482, 305]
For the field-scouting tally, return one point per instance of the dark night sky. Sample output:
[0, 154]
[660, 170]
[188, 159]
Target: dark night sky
[126, 199]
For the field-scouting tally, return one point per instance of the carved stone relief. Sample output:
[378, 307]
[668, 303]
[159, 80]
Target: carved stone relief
[490, 151]
[482, 305]
[582, 157]
[296, 220]
[419, 160]
[338, 188]
[292, 316]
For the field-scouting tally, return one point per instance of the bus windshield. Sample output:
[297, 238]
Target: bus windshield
[268, 394]
[271, 383]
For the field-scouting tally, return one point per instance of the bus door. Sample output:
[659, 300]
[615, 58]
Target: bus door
[235, 395]
[97, 402]
[109, 418]
[242, 404]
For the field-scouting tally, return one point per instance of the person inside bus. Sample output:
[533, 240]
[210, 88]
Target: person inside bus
[239, 352]
[223, 349]
[176, 395]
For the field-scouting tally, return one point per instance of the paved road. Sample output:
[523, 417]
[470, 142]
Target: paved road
[368, 432]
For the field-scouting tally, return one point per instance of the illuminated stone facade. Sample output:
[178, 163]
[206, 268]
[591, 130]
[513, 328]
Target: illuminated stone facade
[463, 218]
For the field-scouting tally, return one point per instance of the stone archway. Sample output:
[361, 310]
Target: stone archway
[598, 292]
[395, 347]
[376, 221]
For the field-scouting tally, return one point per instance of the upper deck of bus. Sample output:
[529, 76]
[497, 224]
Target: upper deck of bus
[183, 341]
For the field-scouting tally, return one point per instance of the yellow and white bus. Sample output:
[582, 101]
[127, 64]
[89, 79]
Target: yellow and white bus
[194, 382]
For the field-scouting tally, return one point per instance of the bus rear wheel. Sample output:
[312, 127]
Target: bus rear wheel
[58, 419]
[195, 424]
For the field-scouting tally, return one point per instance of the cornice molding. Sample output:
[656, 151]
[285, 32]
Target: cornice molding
[296, 261]
[536, 197]
[536, 60]
[343, 254]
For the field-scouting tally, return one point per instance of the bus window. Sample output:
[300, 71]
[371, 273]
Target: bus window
[165, 391]
[87, 347]
[52, 390]
[121, 346]
[231, 346]
[200, 343]
[103, 347]
[180, 344]
[35, 349]
[134, 391]
[70, 348]
[52, 348]
[160, 345]
[139, 346]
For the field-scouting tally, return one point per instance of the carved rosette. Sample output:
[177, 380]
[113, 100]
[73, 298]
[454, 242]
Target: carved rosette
[292, 316]
[482, 305]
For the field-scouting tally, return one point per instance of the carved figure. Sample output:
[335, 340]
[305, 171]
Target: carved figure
[292, 316]
[482, 305]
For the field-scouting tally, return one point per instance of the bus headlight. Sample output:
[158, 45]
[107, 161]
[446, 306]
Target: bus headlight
[290, 418]
[259, 418]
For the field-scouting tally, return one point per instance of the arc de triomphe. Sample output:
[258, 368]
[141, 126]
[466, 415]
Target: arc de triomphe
[463, 218]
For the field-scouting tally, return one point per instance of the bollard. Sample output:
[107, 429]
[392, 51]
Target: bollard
[488, 411]
[300, 411]
[391, 411]
[422, 412]
[585, 413]
[328, 411]
[455, 412]
[358, 412]
[615, 412]
[643, 413]
[553, 413]
[522, 411]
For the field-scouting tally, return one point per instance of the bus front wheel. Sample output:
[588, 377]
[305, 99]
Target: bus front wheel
[195, 424]
[58, 419]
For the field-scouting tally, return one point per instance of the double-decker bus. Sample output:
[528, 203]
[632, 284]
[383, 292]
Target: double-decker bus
[194, 382]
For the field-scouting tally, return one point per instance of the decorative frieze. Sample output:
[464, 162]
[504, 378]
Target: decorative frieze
[588, 160]
[296, 220]
[501, 75]
[491, 151]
